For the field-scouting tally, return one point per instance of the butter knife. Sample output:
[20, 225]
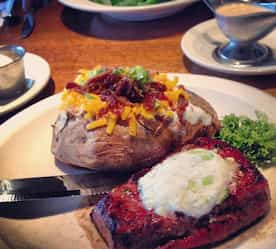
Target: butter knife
[41, 188]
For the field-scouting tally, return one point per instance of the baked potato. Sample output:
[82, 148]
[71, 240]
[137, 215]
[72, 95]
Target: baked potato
[119, 120]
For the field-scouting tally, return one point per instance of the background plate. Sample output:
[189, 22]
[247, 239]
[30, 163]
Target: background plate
[37, 72]
[199, 42]
[129, 13]
[25, 151]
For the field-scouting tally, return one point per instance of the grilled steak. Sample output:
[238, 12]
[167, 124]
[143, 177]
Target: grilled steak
[124, 222]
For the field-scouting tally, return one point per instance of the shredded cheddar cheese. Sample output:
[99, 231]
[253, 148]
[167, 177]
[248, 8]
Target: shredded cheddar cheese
[96, 124]
[132, 125]
[169, 83]
[126, 112]
[146, 114]
[173, 95]
[111, 123]
[98, 114]
[74, 100]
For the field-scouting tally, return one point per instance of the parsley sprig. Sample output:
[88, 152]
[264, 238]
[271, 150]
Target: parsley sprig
[255, 138]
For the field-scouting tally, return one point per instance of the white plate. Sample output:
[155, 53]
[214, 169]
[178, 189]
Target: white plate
[129, 13]
[199, 42]
[25, 151]
[38, 71]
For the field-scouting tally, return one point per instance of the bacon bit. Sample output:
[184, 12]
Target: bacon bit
[74, 86]
[149, 102]
[111, 81]
[128, 88]
[118, 109]
[182, 103]
[98, 78]
[160, 95]
[96, 84]
[158, 86]
[109, 97]
[124, 101]
[102, 112]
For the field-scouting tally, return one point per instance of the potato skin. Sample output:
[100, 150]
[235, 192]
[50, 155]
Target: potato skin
[99, 151]
[73, 144]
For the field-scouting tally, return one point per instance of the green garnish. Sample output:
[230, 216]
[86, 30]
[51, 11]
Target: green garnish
[255, 138]
[93, 73]
[207, 156]
[119, 71]
[204, 155]
[138, 73]
[192, 185]
[207, 180]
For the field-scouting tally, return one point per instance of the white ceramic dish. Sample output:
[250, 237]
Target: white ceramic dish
[25, 152]
[136, 13]
[37, 72]
[199, 42]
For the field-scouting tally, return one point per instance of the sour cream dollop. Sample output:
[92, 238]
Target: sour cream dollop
[194, 114]
[192, 182]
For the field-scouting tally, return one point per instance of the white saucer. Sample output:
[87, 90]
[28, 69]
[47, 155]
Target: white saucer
[199, 42]
[37, 72]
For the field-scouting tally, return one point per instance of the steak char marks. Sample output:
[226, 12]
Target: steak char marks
[124, 223]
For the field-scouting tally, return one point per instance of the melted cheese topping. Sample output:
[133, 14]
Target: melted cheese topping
[91, 105]
[194, 114]
[192, 182]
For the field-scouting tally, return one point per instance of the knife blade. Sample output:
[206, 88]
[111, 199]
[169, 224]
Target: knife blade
[39, 188]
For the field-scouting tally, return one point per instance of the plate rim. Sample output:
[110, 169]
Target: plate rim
[34, 90]
[233, 88]
[220, 68]
[96, 7]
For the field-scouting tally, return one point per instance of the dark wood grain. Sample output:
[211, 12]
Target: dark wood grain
[70, 39]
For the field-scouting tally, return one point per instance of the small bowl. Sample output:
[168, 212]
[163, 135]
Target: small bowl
[12, 74]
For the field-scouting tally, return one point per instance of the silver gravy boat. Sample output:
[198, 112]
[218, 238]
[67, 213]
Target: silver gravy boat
[243, 31]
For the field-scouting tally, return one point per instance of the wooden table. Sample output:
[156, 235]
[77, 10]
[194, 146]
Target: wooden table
[70, 39]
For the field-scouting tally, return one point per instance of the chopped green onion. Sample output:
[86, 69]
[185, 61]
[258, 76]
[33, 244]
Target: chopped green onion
[139, 74]
[119, 71]
[191, 185]
[207, 180]
[204, 155]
